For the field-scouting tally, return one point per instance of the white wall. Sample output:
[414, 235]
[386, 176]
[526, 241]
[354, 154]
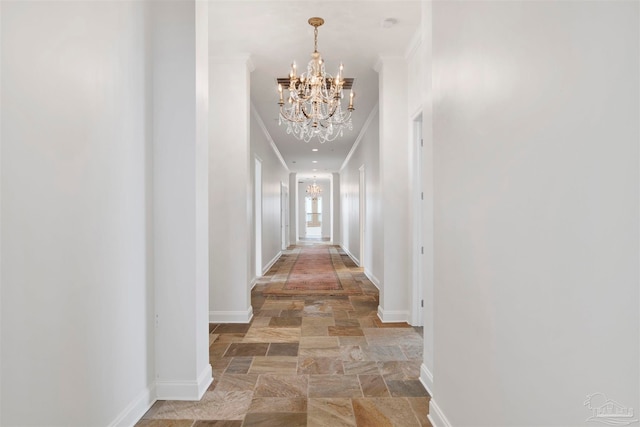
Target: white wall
[325, 185]
[335, 208]
[77, 300]
[426, 182]
[293, 211]
[535, 130]
[365, 153]
[302, 217]
[394, 188]
[274, 174]
[230, 195]
[179, 52]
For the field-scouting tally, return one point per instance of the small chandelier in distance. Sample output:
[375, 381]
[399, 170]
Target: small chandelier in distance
[314, 105]
[313, 190]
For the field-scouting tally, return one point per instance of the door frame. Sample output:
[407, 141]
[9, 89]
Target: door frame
[417, 291]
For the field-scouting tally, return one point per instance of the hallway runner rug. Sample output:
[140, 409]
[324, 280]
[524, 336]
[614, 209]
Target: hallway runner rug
[313, 271]
[316, 269]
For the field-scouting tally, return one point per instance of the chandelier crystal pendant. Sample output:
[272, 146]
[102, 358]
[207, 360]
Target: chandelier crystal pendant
[314, 105]
[313, 190]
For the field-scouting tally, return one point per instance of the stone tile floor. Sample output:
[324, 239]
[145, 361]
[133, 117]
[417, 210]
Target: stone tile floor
[308, 360]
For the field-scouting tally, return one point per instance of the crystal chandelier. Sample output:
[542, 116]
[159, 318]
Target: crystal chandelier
[314, 106]
[313, 190]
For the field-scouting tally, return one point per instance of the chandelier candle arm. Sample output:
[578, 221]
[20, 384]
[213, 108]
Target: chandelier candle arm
[314, 107]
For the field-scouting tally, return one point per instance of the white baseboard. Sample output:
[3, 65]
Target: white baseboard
[353, 258]
[185, 390]
[253, 283]
[392, 316]
[219, 316]
[436, 416]
[426, 378]
[372, 277]
[136, 409]
[273, 261]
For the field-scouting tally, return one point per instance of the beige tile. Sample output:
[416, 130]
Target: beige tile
[270, 385]
[350, 331]
[260, 322]
[336, 412]
[384, 412]
[246, 349]
[285, 322]
[239, 365]
[406, 388]
[420, 406]
[267, 335]
[164, 423]
[320, 352]
[274, 365]
[320, 365]
[365, 367]
[351, 353]
[214, 405]
[319, 342]
[383, 353]
[400, 370]
[373, 386]
[392, 336]
[283, 305]
[218, 423]
[283, 349]
[314, 331]
[353, 341]
[230, 338]
[213, 338]
[275, 419]
[318, 321]
[278, 404]
[236, 382]
[334, 386]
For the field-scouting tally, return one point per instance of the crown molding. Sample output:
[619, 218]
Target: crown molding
[414, 44]
[364, 129]
[254, 111]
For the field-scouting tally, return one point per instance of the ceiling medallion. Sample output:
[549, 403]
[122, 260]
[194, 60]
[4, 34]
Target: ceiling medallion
[314, 106]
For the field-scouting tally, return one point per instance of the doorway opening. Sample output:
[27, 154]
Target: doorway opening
[258, 215]
[313, 217]
[417, 300]
[284, 215]
[361, 214]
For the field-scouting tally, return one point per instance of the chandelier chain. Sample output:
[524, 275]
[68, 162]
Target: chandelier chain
[315, 39]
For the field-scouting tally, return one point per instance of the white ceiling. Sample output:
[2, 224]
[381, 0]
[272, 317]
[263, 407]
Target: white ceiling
[275, 33]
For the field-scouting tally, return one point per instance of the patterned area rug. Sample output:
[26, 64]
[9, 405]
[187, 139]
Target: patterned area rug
[313, 271]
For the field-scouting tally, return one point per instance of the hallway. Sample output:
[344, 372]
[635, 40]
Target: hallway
[308, 360]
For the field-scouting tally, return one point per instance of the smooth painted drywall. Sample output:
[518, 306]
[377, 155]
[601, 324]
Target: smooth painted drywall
[77, 300]
[293, 210]
[335, 208]
[327, 200]
[426, 221]
[273, 175]
[179, 60]
[394, 188]
[367, 154]
[230, 195]
[535, 132]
